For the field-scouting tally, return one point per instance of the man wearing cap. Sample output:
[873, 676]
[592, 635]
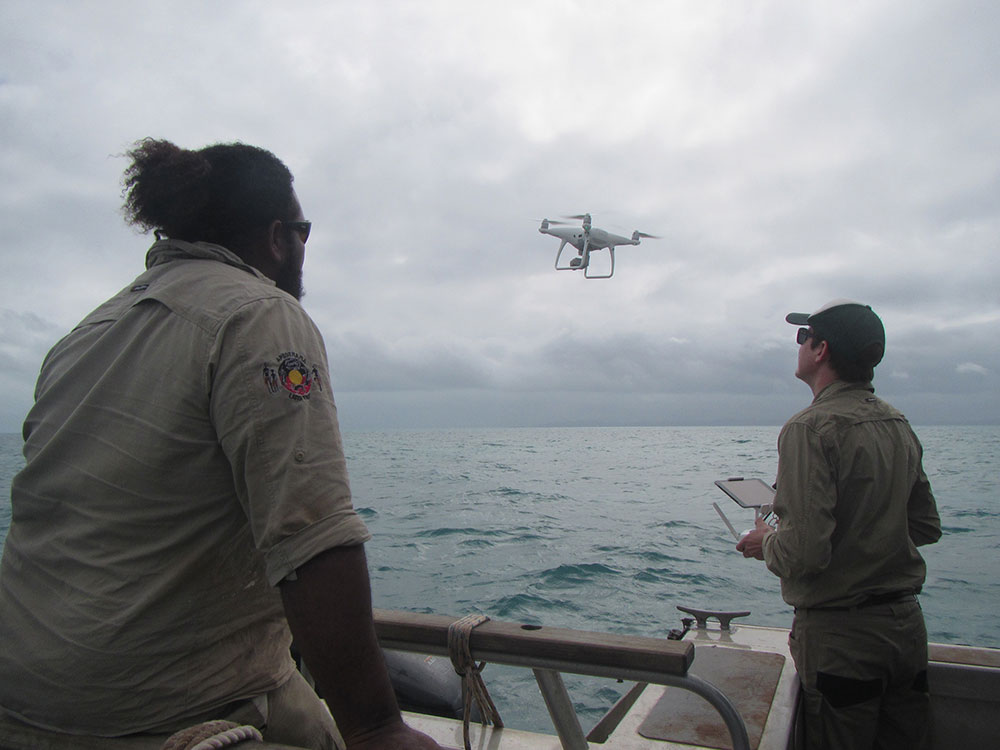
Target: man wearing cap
[854, 504]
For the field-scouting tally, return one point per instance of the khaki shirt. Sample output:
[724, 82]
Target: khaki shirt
[183, 457]
[853, 500]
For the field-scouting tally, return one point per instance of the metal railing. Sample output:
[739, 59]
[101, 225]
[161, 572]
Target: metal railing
[551, 652]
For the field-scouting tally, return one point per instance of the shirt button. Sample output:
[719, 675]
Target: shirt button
[300, 455]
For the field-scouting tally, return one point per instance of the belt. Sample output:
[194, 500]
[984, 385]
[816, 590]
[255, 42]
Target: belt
[872, 601]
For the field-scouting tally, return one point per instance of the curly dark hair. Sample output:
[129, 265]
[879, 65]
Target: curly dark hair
[222, 193]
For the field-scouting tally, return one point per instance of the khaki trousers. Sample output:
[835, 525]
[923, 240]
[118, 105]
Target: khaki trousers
[290, 716]
[864, 676]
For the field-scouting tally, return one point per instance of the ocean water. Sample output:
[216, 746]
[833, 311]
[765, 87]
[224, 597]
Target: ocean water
[609, 529]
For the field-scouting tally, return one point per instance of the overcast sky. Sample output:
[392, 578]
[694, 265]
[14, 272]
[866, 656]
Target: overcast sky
[787, 153]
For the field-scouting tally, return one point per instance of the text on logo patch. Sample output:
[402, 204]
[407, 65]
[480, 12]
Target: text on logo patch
[293, 373]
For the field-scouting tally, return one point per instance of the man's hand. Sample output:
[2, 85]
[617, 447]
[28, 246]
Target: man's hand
[752, 545]
[396, 736]
[329, 611]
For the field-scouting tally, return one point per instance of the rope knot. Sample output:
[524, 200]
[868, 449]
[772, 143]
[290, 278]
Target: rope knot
[473, 687]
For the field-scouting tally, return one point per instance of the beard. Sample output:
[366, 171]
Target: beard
[289, 279]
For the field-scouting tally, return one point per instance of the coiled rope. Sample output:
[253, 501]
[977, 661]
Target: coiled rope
[212, 735]
[473, 687]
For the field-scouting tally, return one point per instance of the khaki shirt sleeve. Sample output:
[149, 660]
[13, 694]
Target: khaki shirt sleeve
[923, 522]
[804, 502]
[276, 420]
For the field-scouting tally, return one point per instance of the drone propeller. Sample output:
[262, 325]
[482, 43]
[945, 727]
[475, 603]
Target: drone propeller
[586, 221]
[584, 217]
[649, 236]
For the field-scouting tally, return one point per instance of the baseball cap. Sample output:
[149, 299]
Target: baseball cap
[852, 329]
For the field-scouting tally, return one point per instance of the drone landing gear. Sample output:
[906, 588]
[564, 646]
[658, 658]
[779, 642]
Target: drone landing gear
[575, 264]
[587, 274]
[582, 263]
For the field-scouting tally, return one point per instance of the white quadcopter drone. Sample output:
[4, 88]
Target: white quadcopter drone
[586, 240]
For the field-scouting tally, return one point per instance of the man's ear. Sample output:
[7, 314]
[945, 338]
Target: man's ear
[822, 352]
[276, 245]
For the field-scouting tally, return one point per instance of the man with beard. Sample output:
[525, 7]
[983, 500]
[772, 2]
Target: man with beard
[185, 509]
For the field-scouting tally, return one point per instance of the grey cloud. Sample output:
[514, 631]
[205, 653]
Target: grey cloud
[787, 155]
[24, 340]
[971, 368]
[361, 363]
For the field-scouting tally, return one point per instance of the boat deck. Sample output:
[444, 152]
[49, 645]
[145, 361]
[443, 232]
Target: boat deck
[754, 669]
[750, 664]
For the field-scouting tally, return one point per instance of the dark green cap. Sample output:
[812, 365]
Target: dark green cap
[853, 330]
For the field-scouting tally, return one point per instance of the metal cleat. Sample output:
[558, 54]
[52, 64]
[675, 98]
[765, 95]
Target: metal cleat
[702, 615]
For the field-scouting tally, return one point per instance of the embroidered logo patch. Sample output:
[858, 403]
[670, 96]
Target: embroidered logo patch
[293, 374]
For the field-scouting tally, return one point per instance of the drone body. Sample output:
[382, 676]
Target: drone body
[586, 240]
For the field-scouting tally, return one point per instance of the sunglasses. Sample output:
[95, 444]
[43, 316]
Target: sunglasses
[302, 228]
[804, 335]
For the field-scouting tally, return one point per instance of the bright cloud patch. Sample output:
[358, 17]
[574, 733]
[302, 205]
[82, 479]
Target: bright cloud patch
[970, 368]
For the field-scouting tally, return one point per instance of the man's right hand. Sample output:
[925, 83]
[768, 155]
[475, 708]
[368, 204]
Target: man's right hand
[752, 545]
[329, 611]
[396, 736]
